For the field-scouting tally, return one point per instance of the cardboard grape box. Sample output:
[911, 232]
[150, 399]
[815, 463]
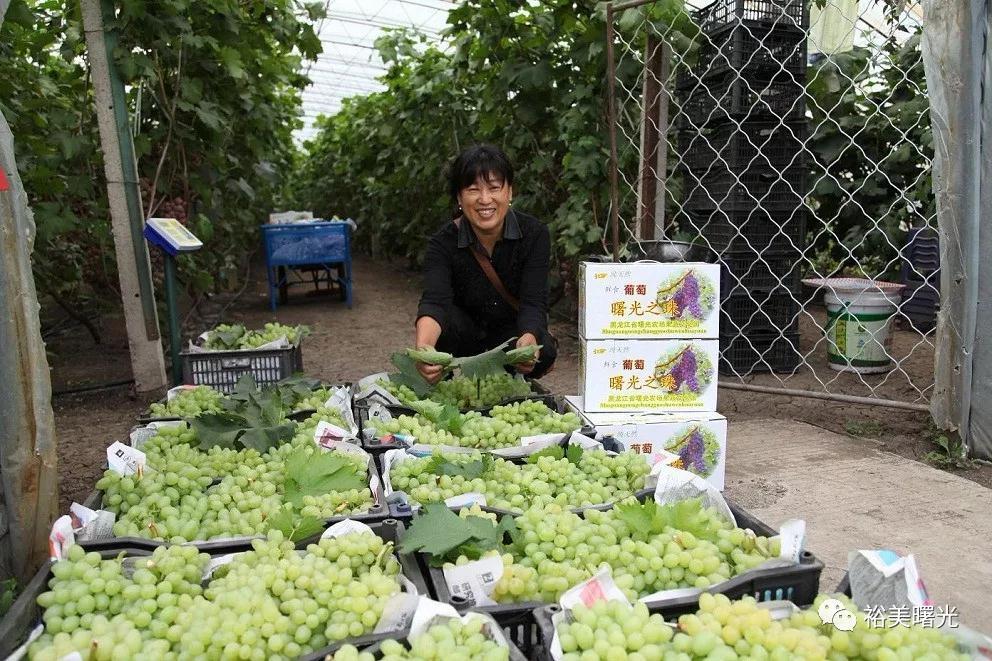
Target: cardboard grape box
[649, 300]
[696, 442]
[648, 375]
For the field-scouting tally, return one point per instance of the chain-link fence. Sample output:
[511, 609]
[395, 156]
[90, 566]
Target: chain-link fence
[792, 141]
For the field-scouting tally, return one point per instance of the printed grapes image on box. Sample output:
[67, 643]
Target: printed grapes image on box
[649, 375]
[641, 299]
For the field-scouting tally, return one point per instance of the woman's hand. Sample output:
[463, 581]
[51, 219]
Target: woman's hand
[431, 373]
[528, 339]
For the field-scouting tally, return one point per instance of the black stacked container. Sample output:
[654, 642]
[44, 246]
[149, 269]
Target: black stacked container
[742, 159]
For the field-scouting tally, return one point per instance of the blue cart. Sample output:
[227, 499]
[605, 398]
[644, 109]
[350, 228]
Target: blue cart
[302, 253]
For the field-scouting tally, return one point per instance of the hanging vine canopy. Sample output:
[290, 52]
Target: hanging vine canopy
[214, 95]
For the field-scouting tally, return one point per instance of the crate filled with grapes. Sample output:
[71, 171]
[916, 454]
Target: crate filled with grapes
[505, 426]
[649, 548]
[724, 628]
[278, 599]
[298, 397]
[571, 476]
[219, 486]
[227, 352]
[438, 631]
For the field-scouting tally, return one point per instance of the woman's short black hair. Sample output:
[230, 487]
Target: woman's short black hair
[487, 161]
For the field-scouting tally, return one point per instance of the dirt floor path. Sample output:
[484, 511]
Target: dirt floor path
[346, 345]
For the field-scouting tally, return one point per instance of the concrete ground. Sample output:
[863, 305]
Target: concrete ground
[854, 496]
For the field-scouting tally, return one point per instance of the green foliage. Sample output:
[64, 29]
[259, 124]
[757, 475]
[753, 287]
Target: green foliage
[313, 474]
[444, 535]
[950, 452]
[871, 143]
[526, 76]
[213, 93]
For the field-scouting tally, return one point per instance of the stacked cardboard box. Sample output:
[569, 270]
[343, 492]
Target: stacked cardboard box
[648, 361]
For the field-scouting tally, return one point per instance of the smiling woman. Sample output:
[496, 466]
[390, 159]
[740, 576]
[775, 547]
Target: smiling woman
[486, 271]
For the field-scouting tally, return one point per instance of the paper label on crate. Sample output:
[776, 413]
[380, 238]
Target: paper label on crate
[91, 524]
[375, 486]
[369, 388]
[466, 500]
[340, 401]
[427, 611]
[792, 535]
[397, 612]
[217, 562]
[475, 580]
[61, 538]
[598, 588]
[326, 435]
[124, 459]
[346, 527]
[529, 445]
[673, 485]
[583, 441]
[677, 593]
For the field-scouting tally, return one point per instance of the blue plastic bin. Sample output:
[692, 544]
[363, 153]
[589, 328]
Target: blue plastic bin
[317, 245]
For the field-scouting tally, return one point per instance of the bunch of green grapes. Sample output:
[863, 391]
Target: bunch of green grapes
[273, 602]
[613, 630]
[187, 494]
[555, 549]
[503, 427]
[480, 392]
[104, 611]
[322, 414]
[252, 339]
[315, 400]
[189, 403]
[597, 478]
[450, 639]
[725, 629]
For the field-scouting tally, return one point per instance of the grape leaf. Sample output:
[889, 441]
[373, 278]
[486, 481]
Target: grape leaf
[555, 451]
[484, 364]
[450, 420]
[428, 408]
[408, 375]
[436, 531]
[263, 438]
[574, 453]
[294, 526]
[650, 518]
[312, 474]
[442, 534]
[220, 428]
[439, 465]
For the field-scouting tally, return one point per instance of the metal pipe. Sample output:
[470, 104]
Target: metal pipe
[612, 118]
[175, 338]
[852, 399]
[630, 4]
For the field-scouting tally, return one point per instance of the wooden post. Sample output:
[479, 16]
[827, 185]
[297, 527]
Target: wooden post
[126, 217]
[29, 497]
[654, 141]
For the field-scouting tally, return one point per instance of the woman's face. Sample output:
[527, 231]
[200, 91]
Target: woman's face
[485, 203]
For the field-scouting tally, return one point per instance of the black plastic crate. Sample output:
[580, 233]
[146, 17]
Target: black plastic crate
[373, 643]
[759, 311]
[759, 14]
[377, 513]
[730, 97]
[222, 369]
[756, 230]
[798, 583]
[25, 614]
[733, 190]
[729, 147]
[741, 355]
[746, 50]
[749, 269]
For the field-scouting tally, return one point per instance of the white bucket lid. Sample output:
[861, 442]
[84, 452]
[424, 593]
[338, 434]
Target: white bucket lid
[855, 286]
